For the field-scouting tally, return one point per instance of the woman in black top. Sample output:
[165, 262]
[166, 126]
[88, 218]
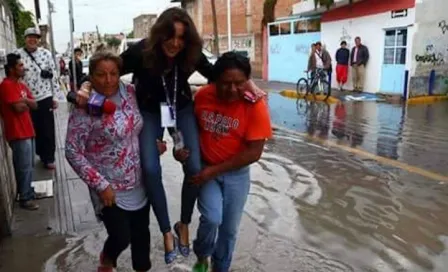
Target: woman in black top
[161, 66]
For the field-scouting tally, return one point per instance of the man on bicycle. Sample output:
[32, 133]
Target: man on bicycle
[321, 59]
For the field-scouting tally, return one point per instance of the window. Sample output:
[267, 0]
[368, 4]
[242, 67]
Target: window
[308, 25]
[285, 28]
[300, 26]
[395, 43]
[274, 30]
[314, 25]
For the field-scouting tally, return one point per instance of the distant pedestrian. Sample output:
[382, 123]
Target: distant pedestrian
[342, 61]
[358, 60]
[321, 59]
[62, 66]
[41, 78]
[78, 68]
[16, 101]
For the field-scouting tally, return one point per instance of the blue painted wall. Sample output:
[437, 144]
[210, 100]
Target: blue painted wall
[288, 56]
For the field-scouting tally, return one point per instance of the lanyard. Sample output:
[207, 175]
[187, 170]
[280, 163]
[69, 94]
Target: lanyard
[171, 106]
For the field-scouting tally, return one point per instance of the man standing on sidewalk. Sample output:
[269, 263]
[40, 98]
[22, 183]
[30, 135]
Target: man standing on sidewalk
[41, 77]
[342, 59]
[359, 58]
[15, 104]
[79, 75]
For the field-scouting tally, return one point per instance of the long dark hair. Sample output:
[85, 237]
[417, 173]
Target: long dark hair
[153, 56]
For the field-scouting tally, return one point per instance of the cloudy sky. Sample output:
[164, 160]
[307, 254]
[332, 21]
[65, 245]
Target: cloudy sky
[111, 16]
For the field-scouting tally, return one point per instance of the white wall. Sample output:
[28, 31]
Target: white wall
[371, 29]
[431, 37]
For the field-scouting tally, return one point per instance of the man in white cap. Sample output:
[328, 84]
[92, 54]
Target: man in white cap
[41, 78]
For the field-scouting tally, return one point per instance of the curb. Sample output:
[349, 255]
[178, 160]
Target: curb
[426, 99]
[295, 95]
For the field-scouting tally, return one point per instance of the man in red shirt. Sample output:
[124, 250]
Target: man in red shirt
[232, 132]
[15, 104]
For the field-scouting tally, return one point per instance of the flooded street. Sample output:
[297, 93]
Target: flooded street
[327, 195]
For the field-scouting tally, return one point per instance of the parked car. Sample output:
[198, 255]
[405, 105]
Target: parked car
[196, 79]
[85, 66]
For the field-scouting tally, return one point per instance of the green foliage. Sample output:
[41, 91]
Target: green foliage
[22, 20]
[113, 42]
[130, 35]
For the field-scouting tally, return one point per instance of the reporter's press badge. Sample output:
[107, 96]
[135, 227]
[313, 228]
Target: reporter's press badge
[178, 140]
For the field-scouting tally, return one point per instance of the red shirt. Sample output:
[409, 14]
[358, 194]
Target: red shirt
[226, 127]
[18, 125]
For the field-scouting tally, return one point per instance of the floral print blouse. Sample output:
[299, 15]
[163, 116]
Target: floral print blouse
[104, 150]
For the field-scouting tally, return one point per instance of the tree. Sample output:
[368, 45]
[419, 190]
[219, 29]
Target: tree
[130, 35]
[113, 42]
[215, 29]
[22, 20]
[268, 17]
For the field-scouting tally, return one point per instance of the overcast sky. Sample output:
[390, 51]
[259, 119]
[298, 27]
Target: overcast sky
[111, 16]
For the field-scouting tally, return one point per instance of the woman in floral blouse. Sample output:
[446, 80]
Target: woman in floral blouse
[104, 152]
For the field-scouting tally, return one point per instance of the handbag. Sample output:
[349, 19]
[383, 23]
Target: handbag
[46, 74]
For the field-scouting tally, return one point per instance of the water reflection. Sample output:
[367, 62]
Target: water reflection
[413, 134]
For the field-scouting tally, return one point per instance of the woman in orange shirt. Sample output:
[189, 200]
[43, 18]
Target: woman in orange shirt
[233, 132]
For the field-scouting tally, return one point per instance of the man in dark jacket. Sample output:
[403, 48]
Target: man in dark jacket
[342, 59]
[358, 59]
[319, 59]
[79, 75]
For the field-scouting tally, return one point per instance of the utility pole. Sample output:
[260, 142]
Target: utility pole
[50, 24]
[72, 45]
[229, 26]
[98, 33]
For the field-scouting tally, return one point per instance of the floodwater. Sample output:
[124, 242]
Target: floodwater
[317, 207]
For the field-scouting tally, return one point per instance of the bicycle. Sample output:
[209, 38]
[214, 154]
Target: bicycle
[318, 84]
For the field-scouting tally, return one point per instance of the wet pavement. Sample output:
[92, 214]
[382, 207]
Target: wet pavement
[358, 186]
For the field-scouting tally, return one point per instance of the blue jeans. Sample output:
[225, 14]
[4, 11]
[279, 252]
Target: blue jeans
[23, 161]
[221, 204]
[152, 172]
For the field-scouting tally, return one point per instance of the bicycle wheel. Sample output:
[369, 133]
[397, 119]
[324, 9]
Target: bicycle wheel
[302, 86]
[302, 106]
[322, 87]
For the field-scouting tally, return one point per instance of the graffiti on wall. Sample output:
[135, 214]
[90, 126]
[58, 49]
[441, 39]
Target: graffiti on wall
[345, 36]
[443, 26]
[434, 55]
[302, 49]
[275, 49]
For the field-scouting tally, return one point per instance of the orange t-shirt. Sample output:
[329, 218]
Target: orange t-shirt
[226, 127]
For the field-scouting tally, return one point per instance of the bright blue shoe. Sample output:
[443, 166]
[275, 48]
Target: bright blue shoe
[183, 249]
[171, 256]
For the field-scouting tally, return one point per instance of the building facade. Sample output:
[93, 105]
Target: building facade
[143, 25]
[246, 27]
[386, 27]
[7, 178]
[408, 48]
[430, 49]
